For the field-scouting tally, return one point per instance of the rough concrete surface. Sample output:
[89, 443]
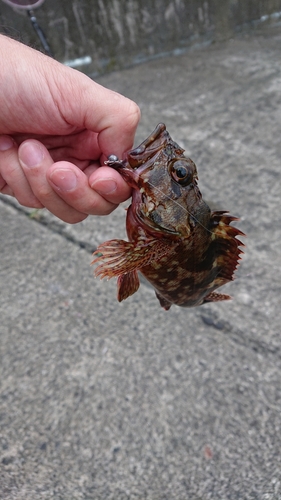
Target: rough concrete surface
[101, 400]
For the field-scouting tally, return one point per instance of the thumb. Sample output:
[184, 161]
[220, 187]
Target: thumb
[112, 116]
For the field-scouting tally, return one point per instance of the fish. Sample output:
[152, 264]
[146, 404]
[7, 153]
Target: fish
[181, 247]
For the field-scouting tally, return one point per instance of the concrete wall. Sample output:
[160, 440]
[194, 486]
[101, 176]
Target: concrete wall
[113, 34]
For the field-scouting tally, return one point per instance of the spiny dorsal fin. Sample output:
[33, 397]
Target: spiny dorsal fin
[228, 245]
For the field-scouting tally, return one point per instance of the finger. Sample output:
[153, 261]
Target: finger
[79, 148]
[82, 146]
[12, 179]
[90, 169]
[116, 125]
[35, 161]
[110, 185]
[112, 116]
[61, 187]
[73, 186]
[5, 189]
[2, 180]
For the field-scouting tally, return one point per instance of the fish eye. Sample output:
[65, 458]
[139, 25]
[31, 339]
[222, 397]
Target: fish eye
[182, 171]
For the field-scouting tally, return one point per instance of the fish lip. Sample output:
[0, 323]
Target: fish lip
[126, 170]
[114, 162]
[123, 168]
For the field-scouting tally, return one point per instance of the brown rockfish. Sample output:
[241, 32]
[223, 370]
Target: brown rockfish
[176, 242]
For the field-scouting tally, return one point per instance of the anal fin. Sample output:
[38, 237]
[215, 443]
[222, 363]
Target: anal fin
[216, 297]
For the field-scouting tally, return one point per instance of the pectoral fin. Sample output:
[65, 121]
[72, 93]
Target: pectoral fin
[116, 257]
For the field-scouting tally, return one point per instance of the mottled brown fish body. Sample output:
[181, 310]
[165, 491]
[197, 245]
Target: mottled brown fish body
[182, 248]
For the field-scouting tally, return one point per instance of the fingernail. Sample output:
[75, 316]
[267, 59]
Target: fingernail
[64, 179]
[104, 186]
[31, 154]
[6, 142]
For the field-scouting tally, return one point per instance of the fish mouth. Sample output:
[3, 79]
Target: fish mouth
[142, 153]
[131, 174]
[140, 160]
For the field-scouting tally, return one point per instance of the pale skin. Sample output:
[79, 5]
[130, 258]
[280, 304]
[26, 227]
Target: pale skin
[57, 127]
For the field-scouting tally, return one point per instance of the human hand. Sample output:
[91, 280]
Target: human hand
[57, 127]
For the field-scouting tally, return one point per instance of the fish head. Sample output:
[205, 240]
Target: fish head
[166, 196]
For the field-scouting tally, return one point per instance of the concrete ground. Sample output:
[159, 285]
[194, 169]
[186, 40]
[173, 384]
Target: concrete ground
[101, 400]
